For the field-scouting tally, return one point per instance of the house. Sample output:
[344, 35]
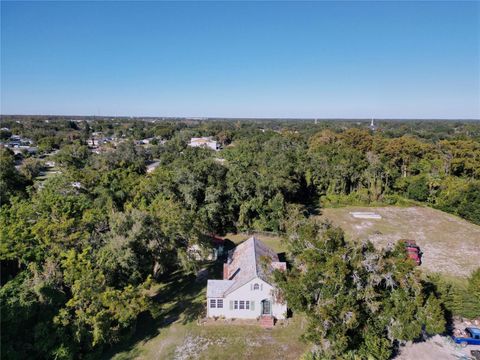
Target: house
[152, 166]
[246, 291]
[147, 141]
[24, 149]
[206, 142]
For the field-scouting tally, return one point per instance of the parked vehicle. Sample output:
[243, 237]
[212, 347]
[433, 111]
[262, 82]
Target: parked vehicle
[413, 251]
[470, 337]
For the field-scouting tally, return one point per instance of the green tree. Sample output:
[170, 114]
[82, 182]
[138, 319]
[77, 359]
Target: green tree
[97, 314]
[126, 156]
[11, 181]
[31, 168]
[471, 303]
[418, 189]
[74, 156]
[357, 300]
[29, 304]
[461, 197]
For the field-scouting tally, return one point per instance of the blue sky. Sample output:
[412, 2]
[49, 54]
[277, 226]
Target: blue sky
[247, 59]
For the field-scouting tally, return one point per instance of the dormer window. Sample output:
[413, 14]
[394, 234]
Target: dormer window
[256, 287]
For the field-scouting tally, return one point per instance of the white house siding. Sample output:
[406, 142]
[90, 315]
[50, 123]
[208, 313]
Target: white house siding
[215, 311]
[254, 297]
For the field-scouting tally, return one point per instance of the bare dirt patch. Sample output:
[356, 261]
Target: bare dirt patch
[193, 346]
[435, 348]
[450, 244]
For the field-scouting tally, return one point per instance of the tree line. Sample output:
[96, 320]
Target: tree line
[81, 250]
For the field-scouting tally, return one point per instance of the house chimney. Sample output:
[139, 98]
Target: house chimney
[225, 271]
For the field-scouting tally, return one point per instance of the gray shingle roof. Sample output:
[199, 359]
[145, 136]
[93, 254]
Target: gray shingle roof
[249, 260]
[216, 288]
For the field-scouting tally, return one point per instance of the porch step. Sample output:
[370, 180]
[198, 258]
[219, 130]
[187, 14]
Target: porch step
[267, 322]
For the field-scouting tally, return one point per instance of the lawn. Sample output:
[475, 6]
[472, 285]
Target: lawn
[450, 244]
[274, 242]
[175, 332]
[220, 341]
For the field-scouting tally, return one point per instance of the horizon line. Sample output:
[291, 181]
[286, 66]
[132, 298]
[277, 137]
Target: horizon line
[203, 118]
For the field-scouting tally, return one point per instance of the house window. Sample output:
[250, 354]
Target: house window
[235, 304]
[212, 303]
[220, 303]
[256, 287]
[242, 304]
[247, 305]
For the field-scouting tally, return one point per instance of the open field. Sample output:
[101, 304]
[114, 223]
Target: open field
[450, 244]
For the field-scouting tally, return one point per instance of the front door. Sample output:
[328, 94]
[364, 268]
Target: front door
[266, 307]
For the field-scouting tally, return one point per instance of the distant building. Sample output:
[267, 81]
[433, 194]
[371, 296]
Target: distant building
[76, 185]
[372, 126]
[206, 142]
[24, 149]
[151, 167]
[147, 141]
[92, 143]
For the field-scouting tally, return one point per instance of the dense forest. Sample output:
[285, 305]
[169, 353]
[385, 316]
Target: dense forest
[81, 249]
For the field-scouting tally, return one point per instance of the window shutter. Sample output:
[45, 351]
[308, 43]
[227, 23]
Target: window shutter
[252, 305]
[231, 304]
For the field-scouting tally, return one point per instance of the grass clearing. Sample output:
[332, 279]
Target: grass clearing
[175, 333]
[450, 244]
[274, 242]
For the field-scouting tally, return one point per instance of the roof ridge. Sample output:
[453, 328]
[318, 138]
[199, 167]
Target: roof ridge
[260, 249]
[255, 254]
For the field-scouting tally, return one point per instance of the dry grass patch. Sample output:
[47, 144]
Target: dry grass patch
[450, 244]
[176, 333]
[221, 341]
